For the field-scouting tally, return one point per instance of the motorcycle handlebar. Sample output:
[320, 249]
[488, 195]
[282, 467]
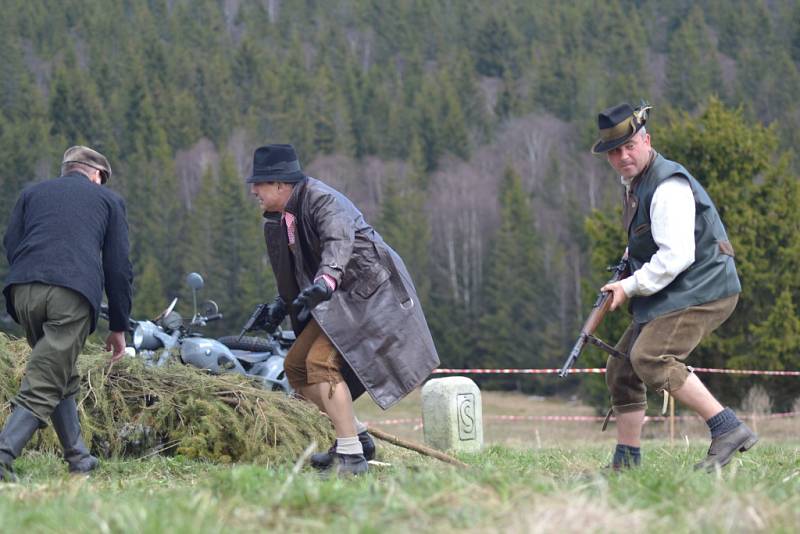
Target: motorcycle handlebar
[215, 317]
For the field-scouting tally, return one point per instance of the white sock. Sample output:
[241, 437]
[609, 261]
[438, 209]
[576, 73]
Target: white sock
[349, 446]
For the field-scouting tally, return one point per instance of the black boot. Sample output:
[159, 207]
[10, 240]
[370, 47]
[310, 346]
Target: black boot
[68, 428]
[323, 460]
[19, 429]
[349, 464]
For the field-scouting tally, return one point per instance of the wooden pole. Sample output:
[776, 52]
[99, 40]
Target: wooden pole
[416, 447]
[671, 420]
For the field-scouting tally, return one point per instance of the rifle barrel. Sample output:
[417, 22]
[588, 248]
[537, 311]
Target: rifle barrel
[573, 355]
[599, 309]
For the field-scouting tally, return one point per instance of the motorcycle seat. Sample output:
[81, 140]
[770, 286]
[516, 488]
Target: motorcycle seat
[252, 357]
[286, 336]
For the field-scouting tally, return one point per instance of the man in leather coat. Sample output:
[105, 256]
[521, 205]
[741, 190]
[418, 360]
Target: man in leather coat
[349, 298]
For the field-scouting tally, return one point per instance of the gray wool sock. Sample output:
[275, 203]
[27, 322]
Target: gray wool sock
[626, 456]
[723, 422]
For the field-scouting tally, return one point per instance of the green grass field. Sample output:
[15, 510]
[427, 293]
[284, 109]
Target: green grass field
[530, 478]
[504, 490]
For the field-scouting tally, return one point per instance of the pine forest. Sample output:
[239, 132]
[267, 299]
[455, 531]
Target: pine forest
[460, 128]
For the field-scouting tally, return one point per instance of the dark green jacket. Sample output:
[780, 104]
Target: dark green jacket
[712, 276]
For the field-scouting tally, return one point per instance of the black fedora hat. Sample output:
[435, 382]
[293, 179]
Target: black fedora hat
[275, 163]
[619, 123]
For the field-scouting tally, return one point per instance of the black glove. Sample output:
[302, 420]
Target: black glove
[265, 317]
[276, 311]
[310, 297]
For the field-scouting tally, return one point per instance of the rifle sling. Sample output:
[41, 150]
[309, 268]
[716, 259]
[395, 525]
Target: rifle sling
[605, 421]
[605, 346]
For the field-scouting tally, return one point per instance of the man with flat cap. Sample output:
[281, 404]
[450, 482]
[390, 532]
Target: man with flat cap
[66, 240]
[350, 300]
[683, 285]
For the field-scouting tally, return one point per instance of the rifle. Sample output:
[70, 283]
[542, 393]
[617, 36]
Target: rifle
[599, 310]
[261, 317]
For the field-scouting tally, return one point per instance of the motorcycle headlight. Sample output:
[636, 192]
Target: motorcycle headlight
[144, 336]
[172, 321]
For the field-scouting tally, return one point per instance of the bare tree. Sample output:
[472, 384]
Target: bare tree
[273, 8]
[191, 164]
[462, 208]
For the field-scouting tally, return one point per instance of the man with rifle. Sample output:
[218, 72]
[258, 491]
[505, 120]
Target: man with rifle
[350, 300]
[682, 286]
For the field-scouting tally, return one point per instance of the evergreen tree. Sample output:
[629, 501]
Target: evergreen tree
[331, 118]
[452, 124]
[149, 298]
[76, 112]
[693, 70]
[777, 339]
[398, 121]
[556, 73]
[496, 44]
[769, 90]
[739, 24]
[508, 103]
[513, 322]
[619, 48]
[428, 127]
[794, 33]
[403, 224]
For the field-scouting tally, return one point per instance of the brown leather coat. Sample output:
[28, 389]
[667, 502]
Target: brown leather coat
[374, 317]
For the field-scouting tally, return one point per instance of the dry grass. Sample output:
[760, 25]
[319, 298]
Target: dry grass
[133, 410]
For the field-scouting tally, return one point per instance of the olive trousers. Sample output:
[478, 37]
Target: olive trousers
[56, 322]
[657, 350]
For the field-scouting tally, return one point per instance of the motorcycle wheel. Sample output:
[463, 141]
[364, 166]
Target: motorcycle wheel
[248, 343]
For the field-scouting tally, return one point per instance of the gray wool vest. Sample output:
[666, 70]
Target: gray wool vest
[712, 276]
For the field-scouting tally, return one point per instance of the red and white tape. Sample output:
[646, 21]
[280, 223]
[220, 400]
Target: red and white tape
[601, 370]
[745, 372]
[514, 371]
[582, 418]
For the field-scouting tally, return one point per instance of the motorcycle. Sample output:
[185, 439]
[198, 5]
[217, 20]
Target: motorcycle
[258, 358]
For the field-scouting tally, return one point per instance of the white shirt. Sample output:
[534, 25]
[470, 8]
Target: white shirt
[672, 213]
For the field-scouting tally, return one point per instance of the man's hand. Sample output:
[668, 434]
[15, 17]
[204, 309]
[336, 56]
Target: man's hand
[618, 296]
[308, 298]
[115, 342]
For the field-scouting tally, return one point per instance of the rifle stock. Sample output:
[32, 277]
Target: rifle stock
[599, 310]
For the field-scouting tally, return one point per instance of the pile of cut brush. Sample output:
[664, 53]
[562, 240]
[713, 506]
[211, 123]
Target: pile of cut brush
[131, 410]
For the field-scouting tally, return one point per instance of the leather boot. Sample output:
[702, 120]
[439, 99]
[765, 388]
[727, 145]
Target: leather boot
[349, 464]
[324, 460]
[723, 447]
[68, 428]
[17, 432]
